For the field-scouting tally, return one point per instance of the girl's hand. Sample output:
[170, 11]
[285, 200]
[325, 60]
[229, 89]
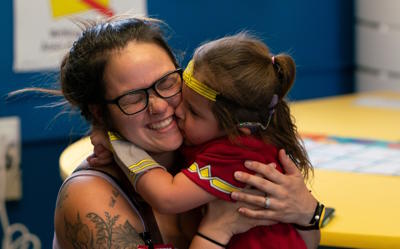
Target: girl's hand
[102, 154]
[290, 200]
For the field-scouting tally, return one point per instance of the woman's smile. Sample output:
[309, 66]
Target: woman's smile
[160, 125]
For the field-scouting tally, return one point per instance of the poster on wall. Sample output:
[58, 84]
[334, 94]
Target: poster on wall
[44, 30]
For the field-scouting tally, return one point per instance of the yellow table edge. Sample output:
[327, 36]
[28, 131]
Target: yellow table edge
[367, 205]
[81, 149]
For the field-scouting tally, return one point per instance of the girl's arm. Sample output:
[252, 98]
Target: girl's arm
[171, 194]
[164, 192]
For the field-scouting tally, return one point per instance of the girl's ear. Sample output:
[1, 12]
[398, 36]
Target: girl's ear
[245, 131]
[97, 113]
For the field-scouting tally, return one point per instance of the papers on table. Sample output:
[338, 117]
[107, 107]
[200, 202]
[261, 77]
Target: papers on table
[355, 155]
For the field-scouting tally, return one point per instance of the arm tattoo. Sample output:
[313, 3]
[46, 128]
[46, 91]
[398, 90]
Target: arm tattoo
[78, 234]
[115, 193]
[114, 197]
[106, 233]
[112, 202]
[62, 196]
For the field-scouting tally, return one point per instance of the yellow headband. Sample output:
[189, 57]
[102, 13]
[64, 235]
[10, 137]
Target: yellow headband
[196, 85]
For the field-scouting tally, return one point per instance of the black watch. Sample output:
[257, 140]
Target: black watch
[316, 220]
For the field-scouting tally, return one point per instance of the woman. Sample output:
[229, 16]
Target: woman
[95, 208]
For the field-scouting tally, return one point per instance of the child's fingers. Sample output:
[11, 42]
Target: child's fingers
[98, 149]
[99, 136]
[97, 162]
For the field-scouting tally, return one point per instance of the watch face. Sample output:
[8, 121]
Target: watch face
[329, 212]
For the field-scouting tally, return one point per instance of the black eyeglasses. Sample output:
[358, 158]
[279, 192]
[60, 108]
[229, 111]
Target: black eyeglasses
[136, 101]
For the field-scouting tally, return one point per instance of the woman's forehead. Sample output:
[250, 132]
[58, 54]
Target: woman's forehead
[136, 66]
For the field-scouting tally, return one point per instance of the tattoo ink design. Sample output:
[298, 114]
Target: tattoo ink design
[125, 236]
[62, 197]
[104, 228]
[115, 193]
[113, 200]
[78, 234]
[106, 234]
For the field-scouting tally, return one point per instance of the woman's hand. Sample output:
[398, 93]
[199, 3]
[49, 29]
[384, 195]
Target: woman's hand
[102, 154]
[222, 220]
[289, 199]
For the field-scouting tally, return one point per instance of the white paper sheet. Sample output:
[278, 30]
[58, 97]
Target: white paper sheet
[376, 157]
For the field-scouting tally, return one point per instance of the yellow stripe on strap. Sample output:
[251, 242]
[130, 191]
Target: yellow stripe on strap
[113, 136]
[140, 162]
[135, 170]
[198, 86]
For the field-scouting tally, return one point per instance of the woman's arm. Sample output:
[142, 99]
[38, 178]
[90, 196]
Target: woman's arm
[290, 200]
[221, 222]
[90, 213]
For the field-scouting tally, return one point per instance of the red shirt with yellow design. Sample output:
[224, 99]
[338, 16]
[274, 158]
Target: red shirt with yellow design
[211, 166]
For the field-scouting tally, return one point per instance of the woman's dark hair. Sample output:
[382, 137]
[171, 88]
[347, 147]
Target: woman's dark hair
[241, 69]
[82, 69]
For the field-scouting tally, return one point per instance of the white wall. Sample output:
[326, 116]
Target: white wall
[377, 35]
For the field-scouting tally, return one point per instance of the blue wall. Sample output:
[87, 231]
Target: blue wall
[318, 34]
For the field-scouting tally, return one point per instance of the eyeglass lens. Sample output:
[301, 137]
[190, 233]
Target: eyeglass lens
[166, 87]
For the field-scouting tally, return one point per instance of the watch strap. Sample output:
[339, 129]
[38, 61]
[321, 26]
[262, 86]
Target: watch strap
[316, 220]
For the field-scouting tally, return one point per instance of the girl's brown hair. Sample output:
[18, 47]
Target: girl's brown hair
[241, 69]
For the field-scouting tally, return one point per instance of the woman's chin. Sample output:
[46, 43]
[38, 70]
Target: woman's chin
[173, 142]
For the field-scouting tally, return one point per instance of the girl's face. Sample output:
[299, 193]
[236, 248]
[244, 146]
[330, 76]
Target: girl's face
[134, 67]
[196, 119]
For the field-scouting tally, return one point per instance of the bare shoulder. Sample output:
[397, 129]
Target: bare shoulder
[91, 213]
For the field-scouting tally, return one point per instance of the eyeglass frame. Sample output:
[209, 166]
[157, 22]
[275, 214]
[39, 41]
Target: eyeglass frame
[115, 101]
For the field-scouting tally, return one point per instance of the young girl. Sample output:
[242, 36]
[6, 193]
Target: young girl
[233, 109]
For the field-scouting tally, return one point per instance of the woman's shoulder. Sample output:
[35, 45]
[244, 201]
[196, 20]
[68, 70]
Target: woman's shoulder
[91, 211]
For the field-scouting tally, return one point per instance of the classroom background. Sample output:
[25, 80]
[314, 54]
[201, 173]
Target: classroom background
[326, 38]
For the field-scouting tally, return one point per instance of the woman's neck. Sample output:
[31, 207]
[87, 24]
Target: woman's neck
[166, 159]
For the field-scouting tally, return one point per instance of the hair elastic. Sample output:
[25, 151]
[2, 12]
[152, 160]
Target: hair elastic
[211, 240]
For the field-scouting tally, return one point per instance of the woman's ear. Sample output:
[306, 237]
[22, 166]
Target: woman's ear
[97, 113]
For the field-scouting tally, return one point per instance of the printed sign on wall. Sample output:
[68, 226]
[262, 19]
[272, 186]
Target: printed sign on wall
[44, 30]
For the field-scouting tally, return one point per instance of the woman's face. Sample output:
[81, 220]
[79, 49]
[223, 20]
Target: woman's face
[134, 67]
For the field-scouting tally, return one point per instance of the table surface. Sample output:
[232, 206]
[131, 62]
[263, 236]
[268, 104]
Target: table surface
[367, 206]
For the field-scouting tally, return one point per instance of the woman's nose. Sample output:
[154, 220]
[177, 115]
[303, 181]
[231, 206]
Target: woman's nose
[157, 105]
